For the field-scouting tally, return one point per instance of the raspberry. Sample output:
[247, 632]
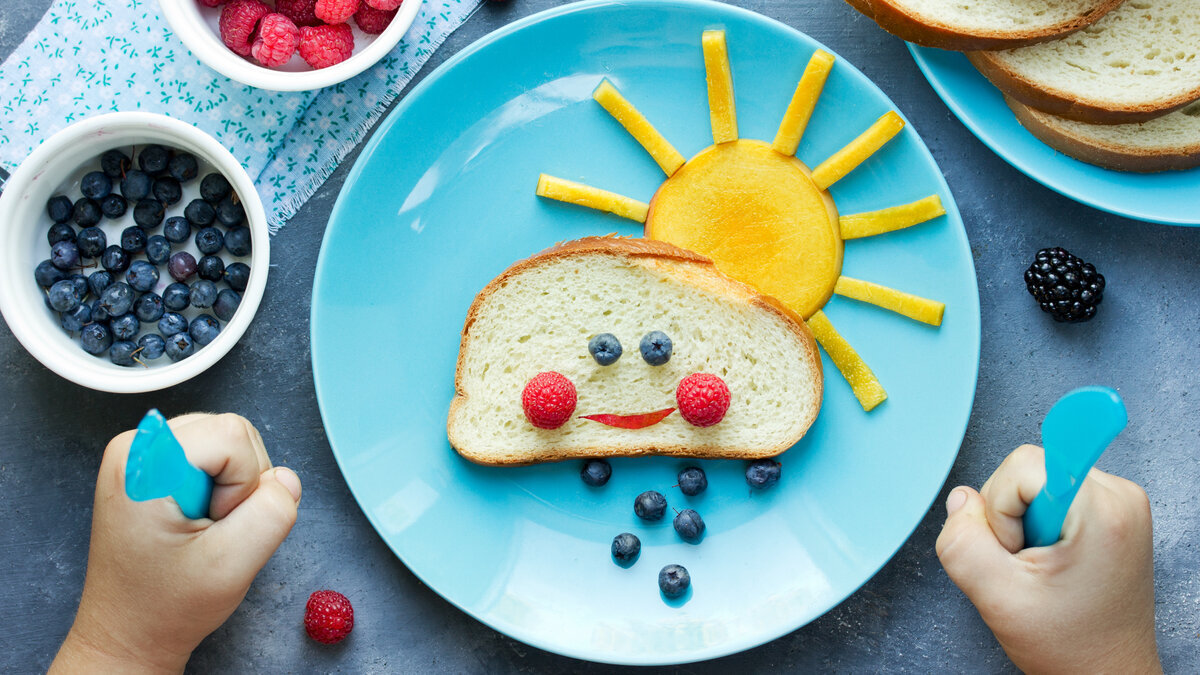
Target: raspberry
[336, 11]
[212, 3]
[373, 21]
[328, 617]
[276, 41]
[549, 400]
[239, 20]
[703, 399]
[301, 12]
[324, 46]
[386, 5]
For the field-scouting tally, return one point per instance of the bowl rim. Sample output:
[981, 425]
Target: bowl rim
[183, 16]
[24, 315]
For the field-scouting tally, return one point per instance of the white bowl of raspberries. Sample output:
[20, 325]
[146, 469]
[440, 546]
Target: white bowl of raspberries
[290, 45]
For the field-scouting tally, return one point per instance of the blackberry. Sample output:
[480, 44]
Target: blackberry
[1065, 286]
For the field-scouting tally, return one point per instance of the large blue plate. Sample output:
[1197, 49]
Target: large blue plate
[1170, 197]
[442, 200]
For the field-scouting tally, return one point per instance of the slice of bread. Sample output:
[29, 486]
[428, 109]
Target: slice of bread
[1140, 61]
[540, 314]
[982, 24]
[1162, 144]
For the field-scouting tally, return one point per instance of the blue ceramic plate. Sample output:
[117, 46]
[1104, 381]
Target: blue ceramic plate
[1169, 197]
[442, 200]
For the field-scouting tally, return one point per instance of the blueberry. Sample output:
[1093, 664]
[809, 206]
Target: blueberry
[154, 159]
[142, 276]
[181, 266]
[151, 346]
[605, 348]
[86, 212]
[210, 240]
[149, 213]
[114, 206]
[183, 167]
[180, 346]
[114, 259]
[172, 324]
[74, 320]
[167, 190]
[177, 229]
[91, 242]
[148, 308]
[59, 208]
[237, 241]
[95, 185]
[689, 525]
[692, 481]
[650, 505]
[45, 274]
[237, 275]
[100, 280]
[117, 299]
[226, 304]
[177, 297]
[136, 185]
[596, 472]
[673, 580]
[80, 284]
[62, 296]
[64, 255]
[133, 239]
[204, 294]
[99, 314]
[763, 473]
[199, 213]
[124, 326]
[625, 548]
[60, 232]
[158, 249]
[115, 163]
[204, 329]
[95, 338]
[656, 348]
[211, 267]
[122, 352]
[231, 212]
[214, 188]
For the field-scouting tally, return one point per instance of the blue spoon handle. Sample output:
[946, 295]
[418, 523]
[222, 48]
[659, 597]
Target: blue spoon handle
[157, 467]
[1045, 516]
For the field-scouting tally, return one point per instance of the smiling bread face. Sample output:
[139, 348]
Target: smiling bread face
[742, 378]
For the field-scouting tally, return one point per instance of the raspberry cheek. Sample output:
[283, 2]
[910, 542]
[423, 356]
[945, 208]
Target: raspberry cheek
[548, 400]
[703, 399]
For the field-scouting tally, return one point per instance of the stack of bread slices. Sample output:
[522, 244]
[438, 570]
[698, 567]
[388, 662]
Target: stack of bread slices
[1110, 82]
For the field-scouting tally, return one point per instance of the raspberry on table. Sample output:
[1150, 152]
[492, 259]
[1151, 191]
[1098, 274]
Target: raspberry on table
[373, 21]
[328, 617]
[276, 42]
[386, 5]
[703, 399]
[549, 400]
[336, 11]
[239, 21]
[301, 12]
[324, 46]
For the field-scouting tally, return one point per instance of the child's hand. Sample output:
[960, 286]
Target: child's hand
[158, 583]
[1085, 604]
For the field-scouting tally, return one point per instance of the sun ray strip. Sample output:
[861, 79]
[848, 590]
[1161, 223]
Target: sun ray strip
[871, 223]
[858, 150]
[594, 198]
[864, 383]
[721, 107]
[913, 306]
[664, 154]
[804, 100]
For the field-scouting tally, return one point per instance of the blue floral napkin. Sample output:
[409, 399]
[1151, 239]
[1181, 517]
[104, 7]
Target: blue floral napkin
[87, 57]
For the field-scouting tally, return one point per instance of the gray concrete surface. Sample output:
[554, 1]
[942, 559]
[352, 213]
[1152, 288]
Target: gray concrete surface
[909, 618]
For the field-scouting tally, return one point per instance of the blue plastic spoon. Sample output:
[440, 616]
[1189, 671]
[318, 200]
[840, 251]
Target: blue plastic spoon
[1075, 433]
[157, 467]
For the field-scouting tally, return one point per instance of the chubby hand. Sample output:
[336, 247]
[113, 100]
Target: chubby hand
[1085, 604]
[158, 583]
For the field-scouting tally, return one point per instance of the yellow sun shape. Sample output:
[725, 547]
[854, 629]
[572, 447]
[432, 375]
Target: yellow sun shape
[764, 217]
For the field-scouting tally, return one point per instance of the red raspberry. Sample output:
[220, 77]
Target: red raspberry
[324, 46]
[301, 12]
[276, 41]
[212, 3]
[328, 617]
[239, 20]
[336, 11]
[549, 400]
[373, 21]
[703, 399]
[386, 5]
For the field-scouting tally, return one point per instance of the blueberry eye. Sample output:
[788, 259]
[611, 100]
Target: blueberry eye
[605, 348]
[656, 348]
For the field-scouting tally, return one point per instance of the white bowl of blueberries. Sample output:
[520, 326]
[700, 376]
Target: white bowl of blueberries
[136, 252]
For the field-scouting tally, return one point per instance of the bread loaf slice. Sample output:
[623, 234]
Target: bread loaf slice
[1140, 61]
[1170, 142]
[540, 314]
[982, 24]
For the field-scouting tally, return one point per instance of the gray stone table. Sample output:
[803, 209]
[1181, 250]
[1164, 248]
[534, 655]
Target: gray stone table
[908, 618]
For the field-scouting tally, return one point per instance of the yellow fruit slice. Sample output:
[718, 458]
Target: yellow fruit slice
[721, 108]
[757, 214]
[858, 150]
[593, 198]
[665, 154]
[866, 386]
[913, 306]
[804, 100]
[891, 219]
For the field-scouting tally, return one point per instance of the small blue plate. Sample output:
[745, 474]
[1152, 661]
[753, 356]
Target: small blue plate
[442, 200]
[1169, 197]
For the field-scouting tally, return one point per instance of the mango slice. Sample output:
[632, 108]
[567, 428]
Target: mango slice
[913, 306]
[594, 198]
[664, 154]
[804, 100]
[866, 386]
[858, 150]
[721, 108]
[871, 223]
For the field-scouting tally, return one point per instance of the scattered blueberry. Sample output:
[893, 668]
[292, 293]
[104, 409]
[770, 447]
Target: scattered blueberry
[148, 308]
[114, 259]
[62, 296]
[86, 212]
[179, 346]
[650, 505]
[113, 206]
[60, 232]
[122, 352]
[142, 276]
[605, 348]
[91, 242]
[158, 249]
[177, 297]
[763, 473]
[596, 472]
[124, 326]
[689, 525]
[45, 274]
[100, 280]
[154, 159]
[136, 185]
[210, 240]
[167, 190]
[177, 229]
[117, 299]
[692, 481]
[95, 185]
[211, 267]
[237, 241]
[231, 212]
[152, 346]
[199, 213]
[237, 275]
[204, 294]
[59, 208]
[625, 548]
[214, 188]
[172, 324]
[149, 213]
[226, 304]
[656, 348]
[133, 238]
[673, 580]
[74, 320]
[115, 163]
[204, 329]
[183, 167]
[182, 266]
[64, 255]
[95, 338]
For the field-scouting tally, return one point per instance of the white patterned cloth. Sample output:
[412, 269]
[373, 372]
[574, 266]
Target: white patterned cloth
[87, 57]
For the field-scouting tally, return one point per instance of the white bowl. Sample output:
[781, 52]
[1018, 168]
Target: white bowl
[197, 27]
[23, 226]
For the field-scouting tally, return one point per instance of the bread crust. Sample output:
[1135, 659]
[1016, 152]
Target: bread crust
[1040, 97]
[658, 252]
[902, 23]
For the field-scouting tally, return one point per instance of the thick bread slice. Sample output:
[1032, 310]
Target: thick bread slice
[982, 24]
[1140, 61]
[539, 315]
[1170, 142]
